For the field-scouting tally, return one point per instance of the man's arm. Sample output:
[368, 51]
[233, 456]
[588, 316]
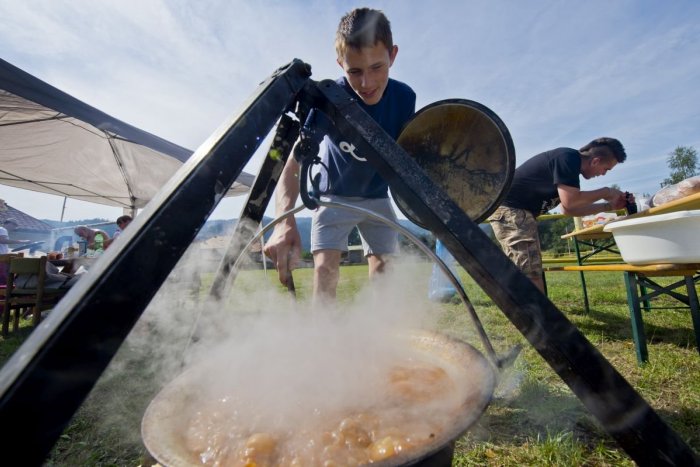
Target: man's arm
[284, 246]
[7, 241]
[575, 202]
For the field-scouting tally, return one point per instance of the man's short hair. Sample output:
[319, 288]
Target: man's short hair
[605, 148]
[124, 218]
[363, 27]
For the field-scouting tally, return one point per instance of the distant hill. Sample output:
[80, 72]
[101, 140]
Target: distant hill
[224, 227]
[107, 225]
[56, 224]
[217, 228]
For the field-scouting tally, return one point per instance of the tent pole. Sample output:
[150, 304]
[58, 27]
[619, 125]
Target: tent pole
[63, 209]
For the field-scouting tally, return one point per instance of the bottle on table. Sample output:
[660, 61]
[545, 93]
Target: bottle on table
[99, 244]
[82, 247]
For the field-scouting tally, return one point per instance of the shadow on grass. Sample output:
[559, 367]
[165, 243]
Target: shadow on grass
[618, 327]
[13, 340]
[534, 413]
[684, 422]
[106, 429]
[538, 413]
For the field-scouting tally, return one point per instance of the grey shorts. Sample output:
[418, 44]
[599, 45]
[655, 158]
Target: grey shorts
[331, 226]
[516, 231]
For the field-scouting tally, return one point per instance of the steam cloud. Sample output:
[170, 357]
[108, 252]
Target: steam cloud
[293, 358]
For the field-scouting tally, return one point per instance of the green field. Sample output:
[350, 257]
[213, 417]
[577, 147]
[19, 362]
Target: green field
[533, 419]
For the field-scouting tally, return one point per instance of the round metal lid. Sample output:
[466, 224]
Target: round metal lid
[466, 150]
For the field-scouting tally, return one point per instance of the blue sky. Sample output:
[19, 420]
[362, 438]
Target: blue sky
[558, 73]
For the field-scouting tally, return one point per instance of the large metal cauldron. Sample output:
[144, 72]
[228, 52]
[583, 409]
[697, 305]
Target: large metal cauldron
[165, 419]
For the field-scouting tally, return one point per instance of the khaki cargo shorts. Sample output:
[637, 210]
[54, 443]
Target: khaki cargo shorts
[516, 231]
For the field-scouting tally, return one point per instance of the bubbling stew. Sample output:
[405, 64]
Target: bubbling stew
[348, 408]
[217, 437]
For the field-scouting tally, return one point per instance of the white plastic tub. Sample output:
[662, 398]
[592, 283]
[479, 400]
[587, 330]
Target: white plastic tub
[665, 238]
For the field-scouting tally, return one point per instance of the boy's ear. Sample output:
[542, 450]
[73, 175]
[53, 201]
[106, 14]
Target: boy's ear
[392, 54]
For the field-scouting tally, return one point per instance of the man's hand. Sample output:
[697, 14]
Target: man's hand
[284, 248]
[7, 241]
[616, 198]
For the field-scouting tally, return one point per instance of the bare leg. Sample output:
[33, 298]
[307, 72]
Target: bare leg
[377, 265]
[326, 275]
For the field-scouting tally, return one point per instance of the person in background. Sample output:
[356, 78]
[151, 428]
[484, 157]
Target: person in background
[122, 222]
[9, 225]
[88, 234]
[365, 51]
[543, 182]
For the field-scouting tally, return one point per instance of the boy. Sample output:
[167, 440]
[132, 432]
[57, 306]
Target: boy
[365, 51]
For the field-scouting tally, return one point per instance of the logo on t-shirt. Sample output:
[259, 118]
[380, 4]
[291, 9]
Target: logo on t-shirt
[350, 149]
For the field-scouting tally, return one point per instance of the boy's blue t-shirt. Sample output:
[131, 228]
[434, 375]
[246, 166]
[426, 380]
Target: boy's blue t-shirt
[352, 177]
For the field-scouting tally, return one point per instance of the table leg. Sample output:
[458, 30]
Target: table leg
[544, 283]
[694, 308]
[640, 341]
[583, 278]
[5, 319]
[646, 303]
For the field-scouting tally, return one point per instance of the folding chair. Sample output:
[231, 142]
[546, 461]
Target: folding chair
[19, 298]
[4, 268]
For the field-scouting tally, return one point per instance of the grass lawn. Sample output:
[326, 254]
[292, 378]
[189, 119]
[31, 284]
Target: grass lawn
[533, 419]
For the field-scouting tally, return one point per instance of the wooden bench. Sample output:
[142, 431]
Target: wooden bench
[641, 289]
[557, 264]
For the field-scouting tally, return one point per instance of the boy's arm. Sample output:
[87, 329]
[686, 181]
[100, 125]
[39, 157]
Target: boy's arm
[284, 246]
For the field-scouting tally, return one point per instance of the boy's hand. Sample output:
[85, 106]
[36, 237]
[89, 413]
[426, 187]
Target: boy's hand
[284, 248]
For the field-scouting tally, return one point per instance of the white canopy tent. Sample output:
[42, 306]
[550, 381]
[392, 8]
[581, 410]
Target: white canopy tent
[53, 143]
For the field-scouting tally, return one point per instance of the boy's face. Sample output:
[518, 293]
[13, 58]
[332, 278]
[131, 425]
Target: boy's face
[367, 70]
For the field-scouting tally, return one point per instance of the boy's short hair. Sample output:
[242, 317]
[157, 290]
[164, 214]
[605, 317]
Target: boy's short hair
[605, 148]
[363, 27]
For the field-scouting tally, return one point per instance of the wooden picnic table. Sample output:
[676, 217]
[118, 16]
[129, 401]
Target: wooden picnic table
[600, 241]
[638, 278]
[687, 203]
[641, 289]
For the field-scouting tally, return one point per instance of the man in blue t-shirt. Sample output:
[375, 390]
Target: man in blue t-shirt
[366, 51]
[543, 182]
